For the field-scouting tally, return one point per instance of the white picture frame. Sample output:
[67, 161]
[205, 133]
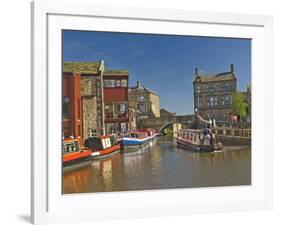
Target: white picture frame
[47, 202]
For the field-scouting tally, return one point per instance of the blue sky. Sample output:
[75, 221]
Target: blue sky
[163, 63]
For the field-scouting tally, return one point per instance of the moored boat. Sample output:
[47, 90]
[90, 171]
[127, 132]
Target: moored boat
[102, 146]
[196, 140]
[73, 154]
[134, 140]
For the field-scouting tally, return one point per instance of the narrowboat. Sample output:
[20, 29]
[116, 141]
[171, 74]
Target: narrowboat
[134, 140]
[151, 134]
[73, 154]
[195, 140]
[102, 146]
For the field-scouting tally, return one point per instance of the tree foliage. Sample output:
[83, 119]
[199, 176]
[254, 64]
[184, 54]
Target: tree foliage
[239, 105]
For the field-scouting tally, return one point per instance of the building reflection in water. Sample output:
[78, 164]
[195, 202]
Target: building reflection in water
[162, 166]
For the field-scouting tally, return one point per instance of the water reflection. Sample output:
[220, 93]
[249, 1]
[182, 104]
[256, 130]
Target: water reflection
[162, 166]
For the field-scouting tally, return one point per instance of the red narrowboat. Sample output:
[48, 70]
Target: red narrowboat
[102, 146]
[73, 154]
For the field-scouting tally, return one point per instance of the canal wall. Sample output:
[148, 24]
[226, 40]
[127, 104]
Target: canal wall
[233, 136]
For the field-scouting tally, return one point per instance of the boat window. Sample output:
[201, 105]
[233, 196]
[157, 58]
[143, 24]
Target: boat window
[70, 147]
[103, 143]
[93, 142]
[108, 144]
[195, 137]
[112, 140]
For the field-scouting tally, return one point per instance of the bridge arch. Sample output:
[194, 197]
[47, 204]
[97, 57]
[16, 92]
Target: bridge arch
[175, 127]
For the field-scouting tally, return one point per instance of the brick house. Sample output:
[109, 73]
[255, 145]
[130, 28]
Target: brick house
[213, 94]
[71, 105]
[116, 101]
[90, 86]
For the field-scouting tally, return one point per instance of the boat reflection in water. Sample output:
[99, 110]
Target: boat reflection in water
[161, 166]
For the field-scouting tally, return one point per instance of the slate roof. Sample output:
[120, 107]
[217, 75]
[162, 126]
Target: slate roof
[82, 67]
[116, 73]
[136, 89]
[204, 78]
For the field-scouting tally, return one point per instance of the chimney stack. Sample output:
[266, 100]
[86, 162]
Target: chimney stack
[231, 68]
[196, 71]
[138, 84]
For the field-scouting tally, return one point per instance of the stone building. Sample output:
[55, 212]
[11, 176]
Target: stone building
[213, 94]
[144, 101]
[92, 103]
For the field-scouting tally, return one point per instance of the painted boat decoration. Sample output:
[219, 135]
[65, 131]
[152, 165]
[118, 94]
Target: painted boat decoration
[73, 154]
[196, 140]
[102, 146]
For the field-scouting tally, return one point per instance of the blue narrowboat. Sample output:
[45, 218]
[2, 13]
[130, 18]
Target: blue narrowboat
[134, 140]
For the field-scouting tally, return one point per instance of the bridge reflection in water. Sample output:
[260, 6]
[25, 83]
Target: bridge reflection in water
[162, 166]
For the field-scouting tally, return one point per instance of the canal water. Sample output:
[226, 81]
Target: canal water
[162, 166]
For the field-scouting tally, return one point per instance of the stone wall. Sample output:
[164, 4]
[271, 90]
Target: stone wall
[89, 85]
[91, 117]
[155, 105]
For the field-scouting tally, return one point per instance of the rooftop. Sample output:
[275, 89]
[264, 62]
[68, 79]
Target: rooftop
[140, 88]
[82, 67]
[226, 76]
[116, 73]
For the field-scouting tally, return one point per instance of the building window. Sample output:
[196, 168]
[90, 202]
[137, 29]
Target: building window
[142, 108]
[212, 101]
[140, 98]
[66, 108]
[122, 107]
[109, 83]
[212, 88]
[198, 88]
[118, 83]
[227, 86]
[124, 83]
[123, 127]
[226, 100]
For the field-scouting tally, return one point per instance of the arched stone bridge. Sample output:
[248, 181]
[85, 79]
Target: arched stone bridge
[174, 123]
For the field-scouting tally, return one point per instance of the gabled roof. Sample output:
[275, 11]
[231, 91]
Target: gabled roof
[82, 67]
[226, 76]
[137, 89]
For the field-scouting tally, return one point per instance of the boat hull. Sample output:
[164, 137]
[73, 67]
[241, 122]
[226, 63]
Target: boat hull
[106, 152]
[133, 144]
[196, 148]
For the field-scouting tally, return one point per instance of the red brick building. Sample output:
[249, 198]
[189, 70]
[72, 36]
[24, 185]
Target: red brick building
[71, 105]
[116, 101]
[91, 95]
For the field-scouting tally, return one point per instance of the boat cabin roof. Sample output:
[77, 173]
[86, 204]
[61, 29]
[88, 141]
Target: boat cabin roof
[191, 131]
[137, 132]
[67, 140]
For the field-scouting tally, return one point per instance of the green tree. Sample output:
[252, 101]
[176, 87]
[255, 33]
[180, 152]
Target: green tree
[239, 105]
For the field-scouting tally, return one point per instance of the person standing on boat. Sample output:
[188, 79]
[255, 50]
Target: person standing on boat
[207, 135]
